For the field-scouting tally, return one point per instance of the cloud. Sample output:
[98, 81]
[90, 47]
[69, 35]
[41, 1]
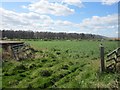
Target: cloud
[37, 22]
[101, 21]
[11, 17]
[109, 2]
[32, 21]
[100, 25]
[23, 6]
[77, 3]
[45, 7]
[63, 23]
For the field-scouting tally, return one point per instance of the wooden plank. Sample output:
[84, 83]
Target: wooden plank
[113, 52]
[15, 54]
[110, 59]
[11, 42]
[17, 45]
[110, 65]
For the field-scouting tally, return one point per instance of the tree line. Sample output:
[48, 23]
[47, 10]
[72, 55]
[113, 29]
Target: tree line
[11, 34]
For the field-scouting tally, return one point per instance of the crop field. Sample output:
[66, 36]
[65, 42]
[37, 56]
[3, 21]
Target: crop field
[60, 64]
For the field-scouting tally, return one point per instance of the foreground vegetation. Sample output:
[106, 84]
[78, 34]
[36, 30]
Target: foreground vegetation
[60, 64]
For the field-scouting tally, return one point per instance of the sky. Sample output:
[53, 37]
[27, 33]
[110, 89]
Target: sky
[71, 16]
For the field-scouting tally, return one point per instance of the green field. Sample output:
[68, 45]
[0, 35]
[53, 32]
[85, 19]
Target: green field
[60, 64]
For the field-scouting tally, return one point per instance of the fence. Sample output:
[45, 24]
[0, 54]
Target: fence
[113, 58]
[22, 51]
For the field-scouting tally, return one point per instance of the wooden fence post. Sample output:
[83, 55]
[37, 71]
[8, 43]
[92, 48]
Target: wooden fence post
[102, 68]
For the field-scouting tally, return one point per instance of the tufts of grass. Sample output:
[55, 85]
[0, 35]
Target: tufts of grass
[60, 64]
[46, 73]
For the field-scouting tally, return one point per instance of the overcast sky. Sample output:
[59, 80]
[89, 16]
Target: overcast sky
[71, 16]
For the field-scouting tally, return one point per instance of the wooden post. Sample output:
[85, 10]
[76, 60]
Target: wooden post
[102, 68]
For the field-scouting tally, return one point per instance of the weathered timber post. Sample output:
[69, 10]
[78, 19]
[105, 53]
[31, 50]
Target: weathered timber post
[102, 68]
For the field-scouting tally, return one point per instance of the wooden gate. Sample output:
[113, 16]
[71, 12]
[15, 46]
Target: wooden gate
[113, 60]
[22, 51]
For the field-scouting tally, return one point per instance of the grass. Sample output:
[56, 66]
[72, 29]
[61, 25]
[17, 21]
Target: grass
[60, 64]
